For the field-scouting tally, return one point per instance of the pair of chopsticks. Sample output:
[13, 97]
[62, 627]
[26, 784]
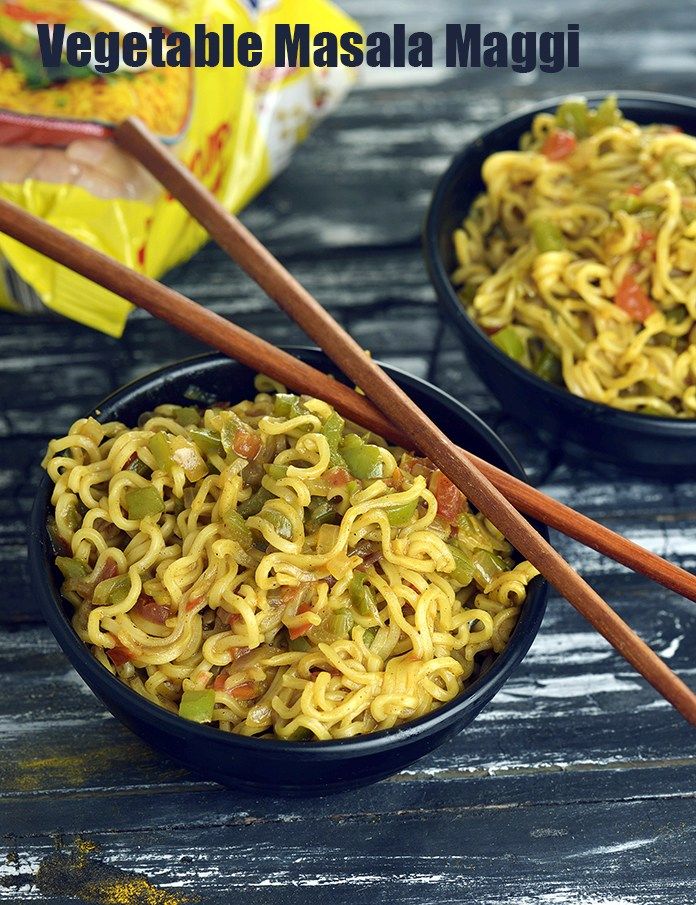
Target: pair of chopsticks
[389, 413]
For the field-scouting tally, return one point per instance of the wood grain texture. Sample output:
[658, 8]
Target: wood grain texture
[575, 771]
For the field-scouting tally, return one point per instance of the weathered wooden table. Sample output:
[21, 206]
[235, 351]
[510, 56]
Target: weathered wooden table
[577, 784]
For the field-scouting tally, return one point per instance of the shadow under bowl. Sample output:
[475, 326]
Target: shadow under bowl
[267, 765]
[645, 444]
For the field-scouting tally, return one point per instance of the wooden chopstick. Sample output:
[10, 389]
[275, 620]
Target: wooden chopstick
[233, 237]
[214, 330]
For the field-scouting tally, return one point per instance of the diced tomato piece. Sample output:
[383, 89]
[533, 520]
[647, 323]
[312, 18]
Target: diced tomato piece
[298, 631]
[246, 444]
[559, 144]
[246, 691]
[631, 298]
[337, 477]
[635, 189]
[150, 610]
[120, 655]
[645, 238]
[450, 500]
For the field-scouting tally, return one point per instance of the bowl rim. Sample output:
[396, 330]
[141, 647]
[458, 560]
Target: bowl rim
[96, 676]
[439, 276]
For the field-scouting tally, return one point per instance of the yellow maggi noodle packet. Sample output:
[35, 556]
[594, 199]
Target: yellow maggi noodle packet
[234, 127]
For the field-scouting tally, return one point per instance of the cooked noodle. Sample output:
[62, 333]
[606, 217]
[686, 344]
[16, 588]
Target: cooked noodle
[265, 568]
[580, 258]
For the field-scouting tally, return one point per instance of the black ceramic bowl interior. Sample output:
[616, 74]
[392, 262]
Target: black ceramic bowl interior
[265, 764]
[644, 443]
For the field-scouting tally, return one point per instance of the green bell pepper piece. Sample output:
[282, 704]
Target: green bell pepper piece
[340, 624]
[255, 503]
[548, 366]
[463, 571]
[321, 512]
[573, 116]
[280, 522]
[547, 236]
[361, 596]
[197, 705]
[161, 451]
[402, 514]
[72, 568]
[364, 462]
[238, 529]
[207, 441]
[143, 502]
[486, 566]
[508, 340]
[607, 114]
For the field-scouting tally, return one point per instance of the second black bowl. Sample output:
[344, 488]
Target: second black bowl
[265, 764]
[646, 444]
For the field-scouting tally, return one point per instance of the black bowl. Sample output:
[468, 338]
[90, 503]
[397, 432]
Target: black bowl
[644, 443]
[265, 764]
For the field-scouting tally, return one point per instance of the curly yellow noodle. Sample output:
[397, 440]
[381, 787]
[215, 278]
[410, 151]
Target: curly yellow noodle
[622, 203]
[296, 629]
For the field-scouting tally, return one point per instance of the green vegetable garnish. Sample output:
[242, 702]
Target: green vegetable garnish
[606, 114]
[207, 441]
[364, 461]
[287, 405]
[255, 503]
[486, 566]
[369, 636]
[72, 568]
[197, 705]
[509, 341]
[71, 516]
[548, 366]
[361, 596]
[301, 734]
[332, 429]
[112, 590]
[281, 523]
[629, 203]
[161, 451]
[547, 236]
[573, 116]
[463, 571]
[402, 514]
[340, 624]
[321, 512]
[143, 502]
[238, 529]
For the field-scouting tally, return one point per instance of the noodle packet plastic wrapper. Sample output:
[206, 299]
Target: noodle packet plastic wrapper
[234, 127]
